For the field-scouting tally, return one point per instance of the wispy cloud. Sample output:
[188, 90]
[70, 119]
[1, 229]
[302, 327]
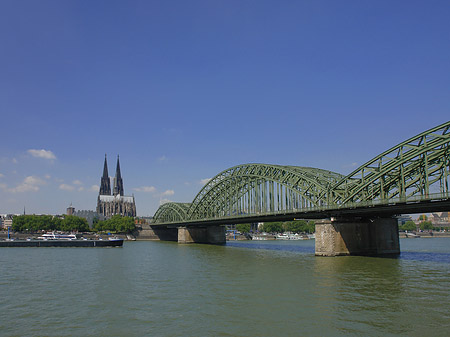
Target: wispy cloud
[1, 175]
[162, 158]
[66, 187]
[94, 188]
[146, 189]
[46, 154]
[77, 182]
[168, 192]
[29, 184]
[351, 165]
[205, 181]
[164, 201]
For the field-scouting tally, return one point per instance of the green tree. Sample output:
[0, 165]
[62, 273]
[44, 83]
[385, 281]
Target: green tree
[426, 225]
[311, 227]
[18, 223]
[423, 217]
[243, 228]
[116, 224]
[273, 227]
[297, 226]
[409, 226]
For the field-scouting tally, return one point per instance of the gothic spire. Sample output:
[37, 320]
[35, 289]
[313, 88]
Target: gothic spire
[105, 185]
[105, 168]
[118, 183]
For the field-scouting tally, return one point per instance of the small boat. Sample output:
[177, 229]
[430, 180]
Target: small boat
[412, 235]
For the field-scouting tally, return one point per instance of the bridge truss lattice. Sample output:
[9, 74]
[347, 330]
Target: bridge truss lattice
[415, 170]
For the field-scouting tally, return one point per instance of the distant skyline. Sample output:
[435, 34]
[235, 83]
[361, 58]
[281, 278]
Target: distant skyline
[183, 90]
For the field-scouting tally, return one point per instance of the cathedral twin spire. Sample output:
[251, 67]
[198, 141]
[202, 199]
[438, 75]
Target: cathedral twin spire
[105, 185]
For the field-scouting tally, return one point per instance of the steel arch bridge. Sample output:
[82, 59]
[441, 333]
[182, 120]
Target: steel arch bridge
[413, 176]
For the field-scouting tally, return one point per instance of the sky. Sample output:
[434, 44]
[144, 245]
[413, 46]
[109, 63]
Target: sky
[183, 90]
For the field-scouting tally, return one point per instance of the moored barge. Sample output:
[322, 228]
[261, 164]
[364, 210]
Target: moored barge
[61, 240]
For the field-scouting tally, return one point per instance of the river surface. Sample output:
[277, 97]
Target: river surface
[259, 288]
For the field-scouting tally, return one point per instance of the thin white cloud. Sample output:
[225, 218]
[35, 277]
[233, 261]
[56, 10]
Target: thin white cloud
[146, 189]
[46, 154]
[66, 187]
[94, 188]
[47, 176]
[29, 184]
[3, 186]
[14, 160]
[351, 165]
[80, 189]
[205, 181]
[164, 201]
[77, 182]
[162, 158]
[1, 175]
[168, 192]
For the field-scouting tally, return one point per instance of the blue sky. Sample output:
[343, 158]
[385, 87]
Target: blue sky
[183, 90]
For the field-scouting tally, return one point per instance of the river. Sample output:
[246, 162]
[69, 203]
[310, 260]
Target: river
[260, 288]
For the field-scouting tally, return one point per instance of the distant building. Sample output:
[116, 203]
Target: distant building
[117, 203]
[439, 219]
[70, 210]
[402, 219]
[89, 216]
[6, 221]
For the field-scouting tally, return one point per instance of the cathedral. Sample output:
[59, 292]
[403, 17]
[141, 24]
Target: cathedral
[117, 203]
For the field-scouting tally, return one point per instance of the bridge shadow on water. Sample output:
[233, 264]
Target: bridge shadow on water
[284, 246]
[436, 257]
[426, 256]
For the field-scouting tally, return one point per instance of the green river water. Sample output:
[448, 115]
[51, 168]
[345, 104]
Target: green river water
[260, 288]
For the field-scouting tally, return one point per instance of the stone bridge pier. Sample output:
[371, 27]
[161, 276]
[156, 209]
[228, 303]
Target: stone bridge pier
[205, 234]
[357, 236]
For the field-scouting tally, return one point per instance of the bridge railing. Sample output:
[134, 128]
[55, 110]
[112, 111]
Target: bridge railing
[318, 209]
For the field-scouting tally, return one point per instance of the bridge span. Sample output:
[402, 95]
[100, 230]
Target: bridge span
[358, 209]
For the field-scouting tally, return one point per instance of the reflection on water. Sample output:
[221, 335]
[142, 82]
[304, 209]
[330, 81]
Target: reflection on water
[268, 288]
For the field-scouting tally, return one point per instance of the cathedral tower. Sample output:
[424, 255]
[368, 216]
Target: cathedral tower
[118, 203]
[105, 185]
[118, 183]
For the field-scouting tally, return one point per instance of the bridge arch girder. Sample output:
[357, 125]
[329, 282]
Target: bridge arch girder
[260, 188]
[171, 212]
[416, 168]
[410, 168]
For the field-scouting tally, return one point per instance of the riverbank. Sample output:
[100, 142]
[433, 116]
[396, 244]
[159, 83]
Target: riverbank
[403, 235]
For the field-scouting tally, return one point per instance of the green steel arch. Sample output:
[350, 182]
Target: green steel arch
[418, 167]
[171, 212]
[261, 188]
[253, 189]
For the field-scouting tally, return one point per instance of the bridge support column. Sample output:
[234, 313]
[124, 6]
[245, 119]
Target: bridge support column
[352, 236]
[207, 234]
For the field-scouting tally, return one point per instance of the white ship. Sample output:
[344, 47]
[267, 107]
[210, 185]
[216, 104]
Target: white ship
[55, 236]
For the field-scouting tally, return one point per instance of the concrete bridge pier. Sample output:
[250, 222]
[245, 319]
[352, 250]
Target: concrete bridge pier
[206, 234]
[356, 236]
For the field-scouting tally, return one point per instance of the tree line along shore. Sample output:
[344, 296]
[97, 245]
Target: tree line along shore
[71, 223]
